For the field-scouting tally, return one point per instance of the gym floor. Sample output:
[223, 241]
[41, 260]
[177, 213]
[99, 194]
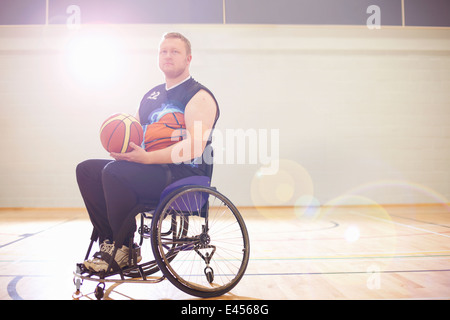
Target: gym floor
[358, 252]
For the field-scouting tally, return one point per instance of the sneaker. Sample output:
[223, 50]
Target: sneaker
[97, 264]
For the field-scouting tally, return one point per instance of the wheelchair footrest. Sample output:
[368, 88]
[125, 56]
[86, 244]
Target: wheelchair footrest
[134, 257]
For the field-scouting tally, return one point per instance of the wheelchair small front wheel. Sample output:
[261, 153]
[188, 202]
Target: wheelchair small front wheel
[99, 291]
[210, 256]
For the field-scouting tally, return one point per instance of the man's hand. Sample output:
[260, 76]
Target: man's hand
[138, 154]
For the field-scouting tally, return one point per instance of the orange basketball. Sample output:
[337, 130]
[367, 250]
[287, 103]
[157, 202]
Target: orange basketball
[118, 131]
[168, 130]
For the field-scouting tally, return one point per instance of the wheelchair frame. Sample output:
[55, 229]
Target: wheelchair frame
[175, 212]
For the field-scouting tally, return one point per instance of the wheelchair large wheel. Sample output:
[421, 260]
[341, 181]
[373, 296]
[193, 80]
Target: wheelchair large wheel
[210, 256]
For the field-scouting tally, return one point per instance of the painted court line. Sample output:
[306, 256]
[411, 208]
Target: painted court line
[399, 224]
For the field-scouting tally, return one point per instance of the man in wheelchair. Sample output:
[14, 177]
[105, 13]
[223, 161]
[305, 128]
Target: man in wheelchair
[178, 117]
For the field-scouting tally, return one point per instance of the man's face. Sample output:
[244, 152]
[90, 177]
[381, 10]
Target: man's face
[173, 59]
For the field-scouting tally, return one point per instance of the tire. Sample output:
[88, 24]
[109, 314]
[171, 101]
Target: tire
[208, 256]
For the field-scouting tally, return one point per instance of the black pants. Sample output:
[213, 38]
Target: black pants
[115, 191]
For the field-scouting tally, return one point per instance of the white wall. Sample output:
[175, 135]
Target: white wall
[363, 115]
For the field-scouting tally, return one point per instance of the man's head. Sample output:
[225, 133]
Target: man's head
[174, 55]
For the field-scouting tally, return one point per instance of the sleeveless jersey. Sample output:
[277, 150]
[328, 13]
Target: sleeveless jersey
[161, 114]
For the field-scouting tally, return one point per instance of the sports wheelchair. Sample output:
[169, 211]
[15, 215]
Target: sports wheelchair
[198, 239]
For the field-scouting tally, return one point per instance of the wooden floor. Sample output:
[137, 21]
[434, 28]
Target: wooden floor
[373, 252]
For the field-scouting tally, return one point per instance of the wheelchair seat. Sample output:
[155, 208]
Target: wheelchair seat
[203, 181]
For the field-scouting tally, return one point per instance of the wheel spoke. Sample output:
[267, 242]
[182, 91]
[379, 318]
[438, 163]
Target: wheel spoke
[209, 253]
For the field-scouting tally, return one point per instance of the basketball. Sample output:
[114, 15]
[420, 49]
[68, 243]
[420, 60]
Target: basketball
[118, 131]
[169, 129]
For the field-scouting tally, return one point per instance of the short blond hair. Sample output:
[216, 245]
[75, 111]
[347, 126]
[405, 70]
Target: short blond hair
[176, 35]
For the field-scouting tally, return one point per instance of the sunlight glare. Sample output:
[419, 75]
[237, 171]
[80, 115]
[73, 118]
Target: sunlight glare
[94, 59]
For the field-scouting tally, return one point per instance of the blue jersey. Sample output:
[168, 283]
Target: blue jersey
[161, 114]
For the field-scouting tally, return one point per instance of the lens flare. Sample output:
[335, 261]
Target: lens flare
[352, 233]
[307, 206]
[366, 238]
[94, 59]
[284, 188]
[409, 191]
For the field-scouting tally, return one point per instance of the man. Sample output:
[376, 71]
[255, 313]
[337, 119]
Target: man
[178, 117]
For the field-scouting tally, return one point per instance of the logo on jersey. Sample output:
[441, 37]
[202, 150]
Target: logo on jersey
[156, 115]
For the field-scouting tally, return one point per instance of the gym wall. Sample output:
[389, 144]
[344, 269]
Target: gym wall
[355, 105]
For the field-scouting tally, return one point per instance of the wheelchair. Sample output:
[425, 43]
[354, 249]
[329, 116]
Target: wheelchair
[198, 239]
